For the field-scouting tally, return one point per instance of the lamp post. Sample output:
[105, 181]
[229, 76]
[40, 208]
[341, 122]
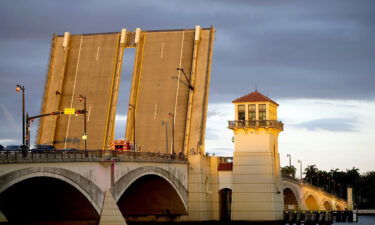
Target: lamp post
[165, 123]
[172, 116]
[84, 136]
[300, 168]
[290, 159]
[311, 166]
[132, 107]
[183, 71]
[27, 139]
[18, 89]
[317, 177]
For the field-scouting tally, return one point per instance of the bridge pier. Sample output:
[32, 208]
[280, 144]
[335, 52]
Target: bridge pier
[111, 214]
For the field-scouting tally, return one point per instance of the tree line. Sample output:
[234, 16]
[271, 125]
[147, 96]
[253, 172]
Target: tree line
[336, 182]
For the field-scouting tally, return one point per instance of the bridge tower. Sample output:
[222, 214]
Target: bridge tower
[257, 191]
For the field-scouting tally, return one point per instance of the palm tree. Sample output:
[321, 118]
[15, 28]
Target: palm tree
[289, 171]
[311, 173]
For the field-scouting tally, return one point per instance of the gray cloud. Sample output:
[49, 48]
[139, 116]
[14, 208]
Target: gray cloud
[330, 124]
[288, 49]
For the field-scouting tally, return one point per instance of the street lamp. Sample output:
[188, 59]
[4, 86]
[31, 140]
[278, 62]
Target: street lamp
[132, 107]
[165, 123]
[18, 89]
[290, 159]
[84, 136]
[300, 168]
[183, 71]
[172, 116]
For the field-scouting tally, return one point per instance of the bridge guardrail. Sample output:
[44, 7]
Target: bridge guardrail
[293, 179]
[87, 156]
[255, 123]
[319, 217]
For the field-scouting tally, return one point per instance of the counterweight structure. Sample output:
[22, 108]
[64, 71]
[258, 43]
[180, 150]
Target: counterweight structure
[167, 108]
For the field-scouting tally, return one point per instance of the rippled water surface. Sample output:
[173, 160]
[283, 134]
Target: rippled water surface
[362, 220]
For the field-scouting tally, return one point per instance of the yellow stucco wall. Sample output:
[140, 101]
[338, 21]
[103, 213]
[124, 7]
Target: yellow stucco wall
[257, 188]
[203, 188]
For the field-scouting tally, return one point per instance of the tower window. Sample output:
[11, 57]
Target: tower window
[262, 111]
[241, 112]
[252, 112]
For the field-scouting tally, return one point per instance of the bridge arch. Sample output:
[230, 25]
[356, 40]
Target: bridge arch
[312, 202]
[291, 198]
[225, 204]
[295, 190]
[327, 205]
[85, 186]
[123, 184]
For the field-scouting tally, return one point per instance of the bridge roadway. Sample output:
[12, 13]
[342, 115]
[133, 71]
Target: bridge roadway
[100, 186]
[299, 195]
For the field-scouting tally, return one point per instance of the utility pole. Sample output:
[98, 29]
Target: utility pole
[84, 136]
[165, 123]
[290, 159]
[132, 107]
[30, 119]
[172, 116]
[18, 89]
[27, 142]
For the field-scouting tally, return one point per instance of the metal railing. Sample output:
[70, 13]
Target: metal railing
[255, 123]
[319, 216]
[87, 156]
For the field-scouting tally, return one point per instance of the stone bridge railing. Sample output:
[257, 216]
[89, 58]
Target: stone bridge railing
[301, 182]
[87, 156]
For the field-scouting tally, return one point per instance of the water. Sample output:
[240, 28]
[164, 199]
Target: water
[362, 220]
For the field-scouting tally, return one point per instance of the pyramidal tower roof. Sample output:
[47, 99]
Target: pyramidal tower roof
[254, 97]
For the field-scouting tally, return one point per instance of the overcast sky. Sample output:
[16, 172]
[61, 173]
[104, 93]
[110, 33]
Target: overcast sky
[315, 58]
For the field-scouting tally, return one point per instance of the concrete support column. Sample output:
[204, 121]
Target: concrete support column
[111, 214]
[257, 191]
[203, 188]
[350, 198]
[256, 195]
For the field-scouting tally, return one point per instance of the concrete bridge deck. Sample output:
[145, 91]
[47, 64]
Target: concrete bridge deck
[88, 156]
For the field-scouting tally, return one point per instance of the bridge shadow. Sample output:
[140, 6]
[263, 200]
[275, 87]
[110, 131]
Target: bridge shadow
[151, 198]
[46, 200]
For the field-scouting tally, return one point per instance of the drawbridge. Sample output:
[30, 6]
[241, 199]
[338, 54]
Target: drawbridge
[168, 96]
